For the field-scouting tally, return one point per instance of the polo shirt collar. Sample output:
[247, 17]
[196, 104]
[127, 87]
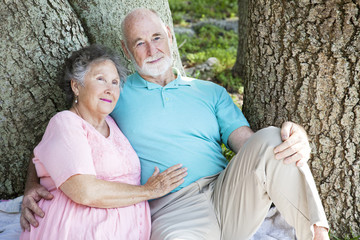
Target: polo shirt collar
[138, 81]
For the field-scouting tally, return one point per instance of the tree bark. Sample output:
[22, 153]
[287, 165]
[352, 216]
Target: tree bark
[303, 65]
[239, 68]
[36, 37]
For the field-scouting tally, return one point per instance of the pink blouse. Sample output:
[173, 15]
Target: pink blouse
[71, 146]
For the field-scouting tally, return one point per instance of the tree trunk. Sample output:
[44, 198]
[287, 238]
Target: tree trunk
[239, 68]
[303, 65]
[36, 37]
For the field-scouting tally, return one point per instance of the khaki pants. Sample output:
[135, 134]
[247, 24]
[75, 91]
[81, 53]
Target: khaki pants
[233, 204]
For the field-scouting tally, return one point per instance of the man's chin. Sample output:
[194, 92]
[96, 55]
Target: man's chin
[154, 73]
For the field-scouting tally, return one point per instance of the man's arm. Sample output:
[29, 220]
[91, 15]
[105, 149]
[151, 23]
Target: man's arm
[295, 146]
[238, 137]
[33, 193]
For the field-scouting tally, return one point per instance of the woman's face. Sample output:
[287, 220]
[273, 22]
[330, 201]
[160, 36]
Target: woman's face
[101, 88]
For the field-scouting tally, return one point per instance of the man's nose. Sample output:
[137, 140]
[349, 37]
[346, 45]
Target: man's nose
[151, 48]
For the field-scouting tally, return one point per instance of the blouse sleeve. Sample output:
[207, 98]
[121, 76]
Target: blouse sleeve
[64, 150]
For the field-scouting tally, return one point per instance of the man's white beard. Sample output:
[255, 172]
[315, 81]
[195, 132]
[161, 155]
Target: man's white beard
[154, 69]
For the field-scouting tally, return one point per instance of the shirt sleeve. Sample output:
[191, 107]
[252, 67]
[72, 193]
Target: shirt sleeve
[229, 116]
[64, 150]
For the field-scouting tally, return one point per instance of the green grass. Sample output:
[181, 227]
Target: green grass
[184, 12]
[346, 237]
[212, 41]
[209, 40]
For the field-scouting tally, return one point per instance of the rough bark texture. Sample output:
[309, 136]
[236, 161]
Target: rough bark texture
[304, 66]
[36, 37]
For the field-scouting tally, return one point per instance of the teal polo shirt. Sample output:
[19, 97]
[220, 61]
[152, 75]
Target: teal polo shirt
[184, 122]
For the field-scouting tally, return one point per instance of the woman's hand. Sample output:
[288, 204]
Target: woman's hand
[160, 184]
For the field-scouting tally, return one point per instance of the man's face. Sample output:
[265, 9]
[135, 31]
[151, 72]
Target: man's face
[148, 44]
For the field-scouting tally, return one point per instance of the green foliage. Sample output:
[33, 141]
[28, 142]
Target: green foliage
[209, 41]
[346, 237]
[227, 152]
[212, 41]
[184, 12]
[228, 81]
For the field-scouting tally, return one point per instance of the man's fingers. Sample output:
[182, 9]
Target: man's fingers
[288, 151]
[27, 217]
[30, 204]
[44, 193]
[286, 130]
[24, 224]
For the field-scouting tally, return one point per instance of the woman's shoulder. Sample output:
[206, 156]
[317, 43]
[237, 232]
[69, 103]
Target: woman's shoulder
[65, 116]
[64, 121]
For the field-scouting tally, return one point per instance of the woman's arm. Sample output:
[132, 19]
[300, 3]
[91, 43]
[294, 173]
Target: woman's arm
[90, 191]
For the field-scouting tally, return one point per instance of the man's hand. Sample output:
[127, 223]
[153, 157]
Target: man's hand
[295, 146]
[29, 207]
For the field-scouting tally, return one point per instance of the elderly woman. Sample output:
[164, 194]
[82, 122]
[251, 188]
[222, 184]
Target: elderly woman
[89, 166]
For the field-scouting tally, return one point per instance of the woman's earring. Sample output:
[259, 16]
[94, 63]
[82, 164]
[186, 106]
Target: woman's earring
[76, 99]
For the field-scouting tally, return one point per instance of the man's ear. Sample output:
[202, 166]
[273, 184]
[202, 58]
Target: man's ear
[170, 36]
[123, 45]
[75, 87]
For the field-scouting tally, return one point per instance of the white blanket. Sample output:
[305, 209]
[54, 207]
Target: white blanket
[274, 226]
[10, 219]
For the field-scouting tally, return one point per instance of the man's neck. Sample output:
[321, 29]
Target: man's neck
[162, 79]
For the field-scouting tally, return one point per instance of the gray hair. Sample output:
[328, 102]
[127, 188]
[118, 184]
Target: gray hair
[77, 65]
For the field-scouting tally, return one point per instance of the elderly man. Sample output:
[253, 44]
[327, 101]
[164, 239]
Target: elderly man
[170, 119]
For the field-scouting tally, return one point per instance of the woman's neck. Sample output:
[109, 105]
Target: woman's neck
[98, 122]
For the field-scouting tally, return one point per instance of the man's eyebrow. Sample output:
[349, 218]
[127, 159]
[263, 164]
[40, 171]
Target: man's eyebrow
[157, 34]
[141, 39]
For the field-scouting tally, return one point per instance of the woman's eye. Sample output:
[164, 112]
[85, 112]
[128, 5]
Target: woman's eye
[115, 82]
[101, 79]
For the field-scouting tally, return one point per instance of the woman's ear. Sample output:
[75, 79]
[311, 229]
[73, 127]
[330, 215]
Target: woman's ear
[75, 87]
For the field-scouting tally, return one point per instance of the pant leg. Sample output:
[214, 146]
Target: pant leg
[253, 179]
[186, 214]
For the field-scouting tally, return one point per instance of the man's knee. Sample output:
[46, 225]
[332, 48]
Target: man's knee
[264, 140]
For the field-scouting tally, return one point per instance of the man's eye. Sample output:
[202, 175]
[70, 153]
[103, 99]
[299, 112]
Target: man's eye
[139, 44]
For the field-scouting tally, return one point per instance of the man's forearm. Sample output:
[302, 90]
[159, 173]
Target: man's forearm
[32, 177]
